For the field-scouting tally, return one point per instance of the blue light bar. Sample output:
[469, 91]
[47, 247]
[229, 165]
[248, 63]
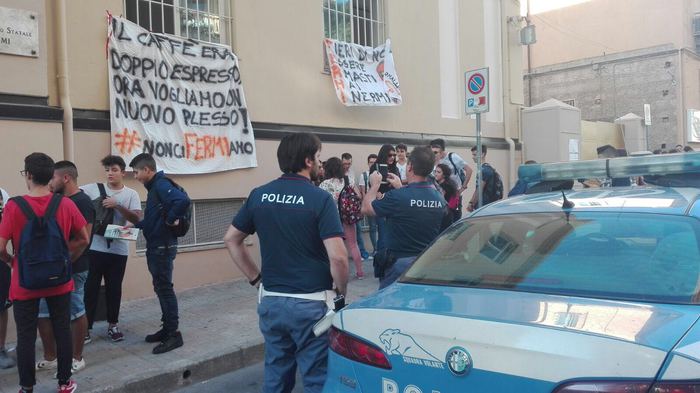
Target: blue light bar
[665, 164]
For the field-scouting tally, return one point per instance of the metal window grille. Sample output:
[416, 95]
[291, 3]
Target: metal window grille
[358, 21]
[204, 20]
[210, 221]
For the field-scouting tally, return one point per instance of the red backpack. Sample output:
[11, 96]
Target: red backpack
[349, 204]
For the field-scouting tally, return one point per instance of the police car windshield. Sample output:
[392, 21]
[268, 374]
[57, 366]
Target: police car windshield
[628, 256]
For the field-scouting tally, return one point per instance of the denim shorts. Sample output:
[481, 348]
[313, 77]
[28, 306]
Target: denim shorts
[77, 298]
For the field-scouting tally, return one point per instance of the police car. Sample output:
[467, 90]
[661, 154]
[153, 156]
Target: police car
[593, 290]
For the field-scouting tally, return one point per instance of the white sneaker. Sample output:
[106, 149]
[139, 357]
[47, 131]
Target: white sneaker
[78, 365]
[46, 365]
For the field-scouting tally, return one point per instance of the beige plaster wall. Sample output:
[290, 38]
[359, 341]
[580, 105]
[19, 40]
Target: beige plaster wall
[598, 27]
[282, 64]
[28, 74]
[19, 139]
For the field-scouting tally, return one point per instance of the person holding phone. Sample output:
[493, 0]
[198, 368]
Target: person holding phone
[385, 164]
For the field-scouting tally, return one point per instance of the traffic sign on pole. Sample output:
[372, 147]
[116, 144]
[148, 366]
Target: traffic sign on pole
[477, 91]
[476, 83]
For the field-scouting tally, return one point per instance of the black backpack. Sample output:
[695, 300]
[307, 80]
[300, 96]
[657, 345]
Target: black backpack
[184, 223]
[494, 189]
[43, 259]
[103, 216]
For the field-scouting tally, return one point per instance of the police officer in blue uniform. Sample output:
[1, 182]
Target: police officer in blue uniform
[303, 256]
[415, 214]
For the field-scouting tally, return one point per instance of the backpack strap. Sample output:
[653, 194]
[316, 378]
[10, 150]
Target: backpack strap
[456, 170]
[24, 207]
[103, 192]
[53, 206]
[346, 180]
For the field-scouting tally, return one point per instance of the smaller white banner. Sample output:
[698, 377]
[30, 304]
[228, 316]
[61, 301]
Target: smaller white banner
[363, 76]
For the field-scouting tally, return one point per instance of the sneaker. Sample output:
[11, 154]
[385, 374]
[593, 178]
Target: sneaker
[88, 338]
[156, 337]
[68, 388]
[174, 340]
[370, 258]
[78, 365]
[22, 390]
[5, 360]
[46, 364]
[115, 334]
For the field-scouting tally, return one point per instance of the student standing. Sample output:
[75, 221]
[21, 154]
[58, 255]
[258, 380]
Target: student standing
[165, 206]
[40, 202]
[108, 257]
[65, 182]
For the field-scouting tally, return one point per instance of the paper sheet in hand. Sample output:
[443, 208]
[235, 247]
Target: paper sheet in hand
[120, 232]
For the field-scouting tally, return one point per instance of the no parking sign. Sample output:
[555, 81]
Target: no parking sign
[477, 91]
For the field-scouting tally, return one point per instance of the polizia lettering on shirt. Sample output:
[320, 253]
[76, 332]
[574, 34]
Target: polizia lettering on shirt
[283, 199]
[426, 203]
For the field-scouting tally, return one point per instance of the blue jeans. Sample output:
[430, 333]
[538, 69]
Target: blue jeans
[286, 324]
[160, 265]
[395, 271]
[372, 221]
[361, 241]
[382, 232]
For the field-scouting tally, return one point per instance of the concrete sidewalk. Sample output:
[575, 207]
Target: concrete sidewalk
[219, 325]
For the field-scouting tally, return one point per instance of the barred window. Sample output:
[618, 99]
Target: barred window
[357, 21]
[210, 221]
[204, 20]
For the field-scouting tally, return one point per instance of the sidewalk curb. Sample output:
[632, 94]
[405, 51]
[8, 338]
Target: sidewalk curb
[188, 371]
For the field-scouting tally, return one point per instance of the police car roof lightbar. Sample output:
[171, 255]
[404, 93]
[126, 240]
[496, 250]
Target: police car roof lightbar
[665, 164]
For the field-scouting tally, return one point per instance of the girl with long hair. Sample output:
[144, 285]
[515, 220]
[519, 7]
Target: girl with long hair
[448, 188]
[334, 183]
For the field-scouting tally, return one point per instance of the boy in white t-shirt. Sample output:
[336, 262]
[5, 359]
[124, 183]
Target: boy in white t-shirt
[108, 258]
[402, 161]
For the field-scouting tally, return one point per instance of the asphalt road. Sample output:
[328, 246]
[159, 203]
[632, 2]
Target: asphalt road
[245, 380]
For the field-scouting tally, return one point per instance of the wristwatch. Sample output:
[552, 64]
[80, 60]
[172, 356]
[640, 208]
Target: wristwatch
[256, 280]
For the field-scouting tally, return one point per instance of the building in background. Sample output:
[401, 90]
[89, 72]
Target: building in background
[610, 57]
[56, 100]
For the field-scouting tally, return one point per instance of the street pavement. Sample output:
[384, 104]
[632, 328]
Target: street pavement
[219, 324]
[245, 380]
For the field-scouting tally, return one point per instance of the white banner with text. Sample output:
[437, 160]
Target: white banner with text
[179, 99]
[363, 76]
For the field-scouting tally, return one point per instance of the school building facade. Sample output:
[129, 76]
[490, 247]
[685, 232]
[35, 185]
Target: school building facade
[54, 97]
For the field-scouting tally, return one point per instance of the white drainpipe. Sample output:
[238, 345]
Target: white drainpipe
[62, 76]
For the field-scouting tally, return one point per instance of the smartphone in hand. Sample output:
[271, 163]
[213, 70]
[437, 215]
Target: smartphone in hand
[384, 170]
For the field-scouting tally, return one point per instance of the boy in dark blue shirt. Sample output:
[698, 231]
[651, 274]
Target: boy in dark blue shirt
[415, 214]
[303, 255]
[165, 206]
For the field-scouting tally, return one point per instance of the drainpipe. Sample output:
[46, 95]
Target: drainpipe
[62, 77]
[505, 77]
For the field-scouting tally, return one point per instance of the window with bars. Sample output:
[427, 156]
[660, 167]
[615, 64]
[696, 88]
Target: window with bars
[357, 21]
[210, 221]
[204, 20]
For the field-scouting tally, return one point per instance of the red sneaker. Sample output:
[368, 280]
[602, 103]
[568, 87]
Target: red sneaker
[70, 387]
